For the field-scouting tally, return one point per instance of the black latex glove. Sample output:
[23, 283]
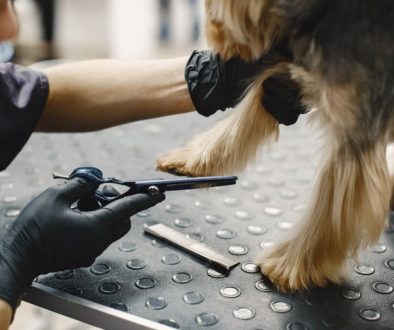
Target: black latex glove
[49, 236]
[215, 84]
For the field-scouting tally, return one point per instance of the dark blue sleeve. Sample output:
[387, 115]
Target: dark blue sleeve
[23, 95]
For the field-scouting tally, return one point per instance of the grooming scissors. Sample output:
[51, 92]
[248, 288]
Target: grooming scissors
[152, 187]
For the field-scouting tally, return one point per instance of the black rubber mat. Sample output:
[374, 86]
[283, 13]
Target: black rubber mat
[149, 278]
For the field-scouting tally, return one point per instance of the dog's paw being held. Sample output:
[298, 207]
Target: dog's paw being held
[180, 162]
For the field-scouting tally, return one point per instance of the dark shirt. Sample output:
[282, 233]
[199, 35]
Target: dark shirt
[23, 95]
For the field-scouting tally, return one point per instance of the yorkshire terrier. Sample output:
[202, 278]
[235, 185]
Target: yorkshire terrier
[343, 62]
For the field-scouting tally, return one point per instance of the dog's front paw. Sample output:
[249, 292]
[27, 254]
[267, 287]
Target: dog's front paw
[291, 270]
[182, 162]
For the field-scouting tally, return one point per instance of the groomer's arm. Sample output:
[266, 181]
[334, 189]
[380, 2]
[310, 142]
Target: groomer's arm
[5, 315]
[97, 94]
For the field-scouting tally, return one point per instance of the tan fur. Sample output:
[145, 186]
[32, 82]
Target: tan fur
[352, 193]
[232, 143]
[249, 29]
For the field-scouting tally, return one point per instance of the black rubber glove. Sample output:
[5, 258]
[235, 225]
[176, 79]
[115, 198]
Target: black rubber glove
[49, 236]
[215, 84]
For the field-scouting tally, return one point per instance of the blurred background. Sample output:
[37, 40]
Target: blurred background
[84, 29]
[87, 29]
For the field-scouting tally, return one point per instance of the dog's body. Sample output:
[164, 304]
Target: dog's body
[343, 62]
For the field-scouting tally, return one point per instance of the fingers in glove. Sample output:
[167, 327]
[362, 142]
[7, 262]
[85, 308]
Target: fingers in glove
[124, 208]
[77, 188]
[110, 191]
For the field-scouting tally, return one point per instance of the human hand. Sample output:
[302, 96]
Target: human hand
[49, 236]
[215, 84]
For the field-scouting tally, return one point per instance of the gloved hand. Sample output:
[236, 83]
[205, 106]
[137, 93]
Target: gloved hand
[49, 236]
[215, 84]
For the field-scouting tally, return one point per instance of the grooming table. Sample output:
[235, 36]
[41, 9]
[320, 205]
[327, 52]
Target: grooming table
[142, 283]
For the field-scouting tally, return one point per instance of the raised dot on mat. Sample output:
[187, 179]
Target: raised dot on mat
[12, 213]
[277, 156]
[260, 198]
[109, 287]
[170, 323]
[238, 249]
[73, 291]
[193, 298]
[299, 207]
[65, 274]
[143, 214]
[213, 219]
[4, 174]
[173, 208]
[243, 215]
[334, 321]
[281, 306]
[145, 283]
[196, 236]
[183, 222]
[230, 291]
[369, 314]
[382, 288]
[256, 230]
[315, 299]
[127, 246]
[9, 199]
[171, 259]
[389, 264]
[206, 319]
[364, 269]
[351, 293]
[156, 303]
[99, 269]
[377, 248]
[284, 225]
[296, 326]
[288, 194]
[231, 201]
[249, 185]
[119, 307]
[263, 170]
[214, 273]
[273, 211]
[136, 264]
[263, 286]
[182, 278]
[158, 243]
[203, 205]
[7, 186]
[274, 182]
[225, 233]
[266, 244]
[244, 313]
[250, 267]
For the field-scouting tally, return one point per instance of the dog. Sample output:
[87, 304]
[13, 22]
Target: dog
[344, 65]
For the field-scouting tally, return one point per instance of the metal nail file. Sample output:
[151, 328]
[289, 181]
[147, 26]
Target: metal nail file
[198, 249]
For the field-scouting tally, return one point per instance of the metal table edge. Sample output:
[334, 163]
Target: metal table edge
[86, 311]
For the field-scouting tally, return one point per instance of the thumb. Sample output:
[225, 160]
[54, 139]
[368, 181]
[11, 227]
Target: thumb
[77, 188]
[115, 216]
[125, 207]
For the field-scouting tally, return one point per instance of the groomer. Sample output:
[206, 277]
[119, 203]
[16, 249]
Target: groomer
[48, 236]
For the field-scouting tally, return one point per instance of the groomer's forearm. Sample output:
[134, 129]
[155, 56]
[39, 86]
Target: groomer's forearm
[5, 315]
[98, 94]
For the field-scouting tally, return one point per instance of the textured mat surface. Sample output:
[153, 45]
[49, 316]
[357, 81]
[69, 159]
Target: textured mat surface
[147, 278]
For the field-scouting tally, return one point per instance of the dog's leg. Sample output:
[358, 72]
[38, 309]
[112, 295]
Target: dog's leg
[390, 165]
[351, 198]
[349, 211]
[229, 145]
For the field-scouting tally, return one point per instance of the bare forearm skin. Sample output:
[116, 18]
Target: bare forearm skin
[5, 315]
[97, 94]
